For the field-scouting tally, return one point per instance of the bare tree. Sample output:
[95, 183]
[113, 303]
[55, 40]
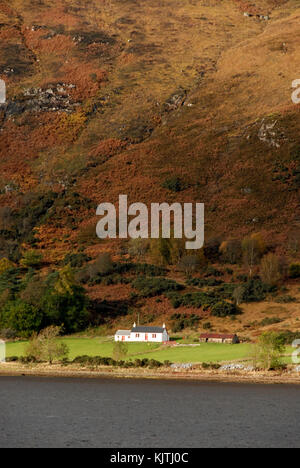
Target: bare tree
[46, 346]
[269, 269]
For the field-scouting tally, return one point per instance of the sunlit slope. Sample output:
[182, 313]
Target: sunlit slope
[192, 89]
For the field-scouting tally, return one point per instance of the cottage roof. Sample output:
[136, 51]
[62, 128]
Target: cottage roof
[148, 330]
[123, 332]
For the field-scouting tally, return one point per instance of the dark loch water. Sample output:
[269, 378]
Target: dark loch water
[36, 412]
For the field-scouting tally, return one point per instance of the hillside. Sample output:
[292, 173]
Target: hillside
[114, 97]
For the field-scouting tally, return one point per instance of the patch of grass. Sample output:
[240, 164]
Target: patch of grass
[206, 352]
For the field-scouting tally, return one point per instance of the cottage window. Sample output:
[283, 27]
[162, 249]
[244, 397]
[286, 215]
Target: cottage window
[137, 335]
[154, 335]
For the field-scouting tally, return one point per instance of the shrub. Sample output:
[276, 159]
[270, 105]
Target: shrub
[22, 317]
[285, 299]
[270, 321]
[12, 359]
[182, 321]
[268, 351]
[211, 271]
[210, 365]
[8, 334]
[207, 326]
[195, 300]
[225, 309]
[102, 266]
[287, 337]
[154, 364]
[242, 278]
[226, 290]
[294, 270]
[201, 282]
[32, 259]
[149, 287]
[255, 290]
[5, 265]
[138, 247]
[120, 350]
[76, 260]
[28, 360]
[212, 250]
[174, 184]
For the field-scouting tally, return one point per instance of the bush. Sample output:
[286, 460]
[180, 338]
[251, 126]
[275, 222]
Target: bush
[268, 351]
[102, 266]
[120, 350]
[287, 337]
[22, 317]
[294, 270]
[174, 184]
[210, 365]
[5, 265]
[285, 299]
[29, 360]
[212, 250]
[76, 260]
[12, 359]
[138, 247]
[149, 287]
[201, 282]
[211, 271]
[195, 300]
[182, 321]
[225, 309]
[270, 321]
[31, 259]
[207, 326]
[242, 278]
[8, 334]
[255, 290]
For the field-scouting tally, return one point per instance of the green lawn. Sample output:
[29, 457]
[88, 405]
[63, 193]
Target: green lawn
[209, 352]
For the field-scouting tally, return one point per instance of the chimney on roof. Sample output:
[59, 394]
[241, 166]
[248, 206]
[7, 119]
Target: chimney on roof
[134, 325]
[164, 325]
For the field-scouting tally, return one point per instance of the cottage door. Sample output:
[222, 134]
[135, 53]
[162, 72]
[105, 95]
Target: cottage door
[146, 336]
[123, 338]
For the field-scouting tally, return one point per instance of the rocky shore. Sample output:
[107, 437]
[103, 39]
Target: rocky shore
[75, 371]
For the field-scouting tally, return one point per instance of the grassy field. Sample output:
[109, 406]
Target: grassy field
[97, 347]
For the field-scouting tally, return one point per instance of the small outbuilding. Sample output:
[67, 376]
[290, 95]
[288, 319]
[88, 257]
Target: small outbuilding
[219, 338]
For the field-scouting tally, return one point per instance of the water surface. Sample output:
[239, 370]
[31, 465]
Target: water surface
[42, 412]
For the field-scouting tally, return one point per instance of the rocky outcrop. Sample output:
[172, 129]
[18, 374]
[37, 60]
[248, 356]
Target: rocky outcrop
[55, 98]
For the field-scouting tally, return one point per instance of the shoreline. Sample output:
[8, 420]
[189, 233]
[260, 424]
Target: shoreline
[59, 371]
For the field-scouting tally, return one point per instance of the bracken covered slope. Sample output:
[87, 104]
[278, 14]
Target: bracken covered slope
[116, 96]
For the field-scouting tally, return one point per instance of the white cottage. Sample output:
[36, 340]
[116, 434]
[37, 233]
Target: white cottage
[143, 334]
